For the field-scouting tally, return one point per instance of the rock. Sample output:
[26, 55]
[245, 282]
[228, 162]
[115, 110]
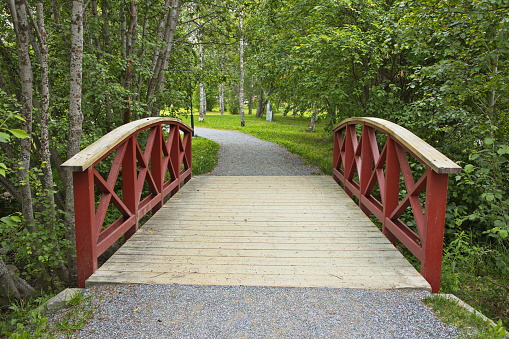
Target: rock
[60, 300]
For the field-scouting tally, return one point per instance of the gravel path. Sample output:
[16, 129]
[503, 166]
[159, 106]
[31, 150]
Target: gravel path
[242, 154]
[181, 311]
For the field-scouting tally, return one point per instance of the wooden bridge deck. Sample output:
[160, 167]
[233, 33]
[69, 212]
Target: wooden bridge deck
[260, 231]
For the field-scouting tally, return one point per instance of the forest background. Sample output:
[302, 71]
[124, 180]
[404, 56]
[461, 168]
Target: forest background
[71, 71]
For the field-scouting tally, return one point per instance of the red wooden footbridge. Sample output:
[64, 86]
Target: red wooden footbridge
[304, 231]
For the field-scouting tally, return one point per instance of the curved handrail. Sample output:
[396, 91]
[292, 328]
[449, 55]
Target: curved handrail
[382, 179]
[101, 147]
[140, 178]
[415, 145]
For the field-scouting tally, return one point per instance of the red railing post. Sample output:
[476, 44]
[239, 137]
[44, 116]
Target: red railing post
[391, 196]
[129, 183]
[350, 145]
[366, 166]
[174, 140]
[432, 239]
[86, 229]
[157, 165]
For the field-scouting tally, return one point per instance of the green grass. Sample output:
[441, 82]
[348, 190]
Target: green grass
[288, 131]
[472, 325]
[204, 155]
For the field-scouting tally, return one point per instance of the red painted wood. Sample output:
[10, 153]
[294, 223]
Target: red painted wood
[362, 169]
[132, 166]
[86, 230]
[432, 242]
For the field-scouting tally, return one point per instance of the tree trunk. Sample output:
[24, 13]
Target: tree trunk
[251, 92]
[25, 70]
[75, 120]
[221, 98]
[8, 290]
[47, 178]
[241, 80]
[314, 118]
[130, 44]
[261, 105]
[161, 59]
[203, 95]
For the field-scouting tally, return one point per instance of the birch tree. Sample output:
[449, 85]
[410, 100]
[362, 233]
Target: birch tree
[241, 80]
[75, 118]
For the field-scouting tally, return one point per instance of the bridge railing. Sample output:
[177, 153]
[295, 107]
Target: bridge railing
[401, 180]
[120, 178]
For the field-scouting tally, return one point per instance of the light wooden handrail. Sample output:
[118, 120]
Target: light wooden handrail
[415, 145]
[95, 151]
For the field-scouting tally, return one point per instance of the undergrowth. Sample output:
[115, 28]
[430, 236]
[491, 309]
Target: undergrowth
[27, 319]
[471, 324]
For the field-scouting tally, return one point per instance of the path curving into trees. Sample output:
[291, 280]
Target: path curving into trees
[243, 154]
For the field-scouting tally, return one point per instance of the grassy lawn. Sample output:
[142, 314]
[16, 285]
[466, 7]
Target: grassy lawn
[204, 155]
[287, 131]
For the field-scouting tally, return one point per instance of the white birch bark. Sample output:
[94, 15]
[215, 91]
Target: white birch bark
[241, 81]
[251, 91]
[47, 178]
[203, 95]
[221, 98]
[161, 58]
[75, 117]
[26, 79]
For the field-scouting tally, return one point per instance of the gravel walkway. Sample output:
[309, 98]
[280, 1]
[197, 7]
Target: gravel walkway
[242, 154]
[180, 311]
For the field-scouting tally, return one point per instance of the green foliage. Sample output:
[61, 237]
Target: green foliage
[47, 244]
[26, 319]
[7, 104]
[477, 273]
[482, 189]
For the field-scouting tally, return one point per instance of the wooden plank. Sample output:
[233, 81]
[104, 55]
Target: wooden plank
[359, 254]
[221, 239]
[281, 280]
[305, 270]
[249, 238]
[251, 261]
[260, 246]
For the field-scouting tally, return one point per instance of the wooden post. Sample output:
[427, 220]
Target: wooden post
[366, 165]
[390, 198]
[157, 164]
[86, 228]
[129, 183]
[433, 237]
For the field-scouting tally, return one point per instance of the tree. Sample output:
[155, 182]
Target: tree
[241, 78]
